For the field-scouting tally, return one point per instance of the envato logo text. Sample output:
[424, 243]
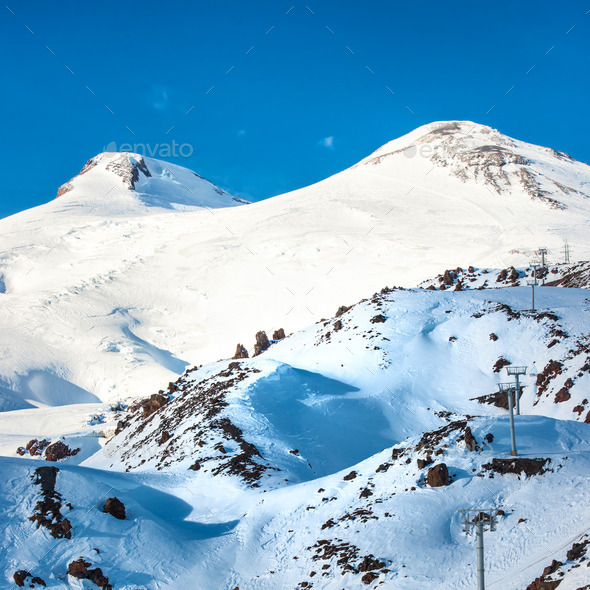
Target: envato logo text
[423, 150]
[152, 150]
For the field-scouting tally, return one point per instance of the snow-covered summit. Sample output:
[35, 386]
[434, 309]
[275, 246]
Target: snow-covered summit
[117, 182]
[471, 151]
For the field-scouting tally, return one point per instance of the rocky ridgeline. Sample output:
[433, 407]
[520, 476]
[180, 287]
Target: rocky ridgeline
[557, 572]
[262, 343]
[571, 275]
[188, 425]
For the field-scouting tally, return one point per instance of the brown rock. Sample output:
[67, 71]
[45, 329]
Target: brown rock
[369, 578]
[115, 507]
[337, 325]
[493, 337]
[563, 395]
[241, 352]
[20, 578]
[153, 404]
[423, 462]
[36, 446]
[350, 476]
[470, 441]
[79, 569]
[438, 476]
[342, 309]
[500, 364]
[262, 343]
[518, 465]
[470, 269]
[58, 451]
[278, 334]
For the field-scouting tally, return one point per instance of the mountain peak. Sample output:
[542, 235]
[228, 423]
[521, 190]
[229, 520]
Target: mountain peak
[473, 152]
[128, 180]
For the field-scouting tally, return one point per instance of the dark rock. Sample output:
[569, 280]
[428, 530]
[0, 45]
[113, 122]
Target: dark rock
[262, 343]
[20, 579]
[350, 476]
[563, 395]
[79, 569]
[153, 404]
[337, 325]
[500, 364]
[120, 426]
[438, 476]
[241, 352]
[489, 437]
[58, 451]
[577, 551]
[48, 510]
[449, 277]
[166, 436]
[551, 569]
[342, 309]
[518, 465]
[544, 378]
[115, 507]
[22, 451]
[278, 334]
[369, 578]
[423, 462]
[195, 466]
[378, 319]
[493, 337]
[36, 447]
[470, 269]
[365, 493]
[470, 441]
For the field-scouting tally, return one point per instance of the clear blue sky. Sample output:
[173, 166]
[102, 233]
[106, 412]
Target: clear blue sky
[308, 100]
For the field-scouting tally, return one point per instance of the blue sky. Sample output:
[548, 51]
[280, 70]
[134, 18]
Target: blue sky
[279, 94]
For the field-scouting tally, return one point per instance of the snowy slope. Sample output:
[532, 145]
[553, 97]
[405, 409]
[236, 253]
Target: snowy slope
[106, 292]
[299, 468]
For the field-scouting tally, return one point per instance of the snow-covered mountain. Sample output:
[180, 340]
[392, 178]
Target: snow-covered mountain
[141, 268]
[124, 183]
[337, 458]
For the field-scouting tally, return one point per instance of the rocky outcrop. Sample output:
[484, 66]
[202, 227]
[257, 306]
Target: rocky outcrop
[79, 569]
[278, 334]
[21, 579]
[58, 451]
[518, 465]
[115, 507]
[153, 404]
[378, 319]
[262, 343]
[48, 510]
[563, 395]
[241, 352]
[438, 476]
[470, 441]
[500, 364]
[341, 310]
[544, 378]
